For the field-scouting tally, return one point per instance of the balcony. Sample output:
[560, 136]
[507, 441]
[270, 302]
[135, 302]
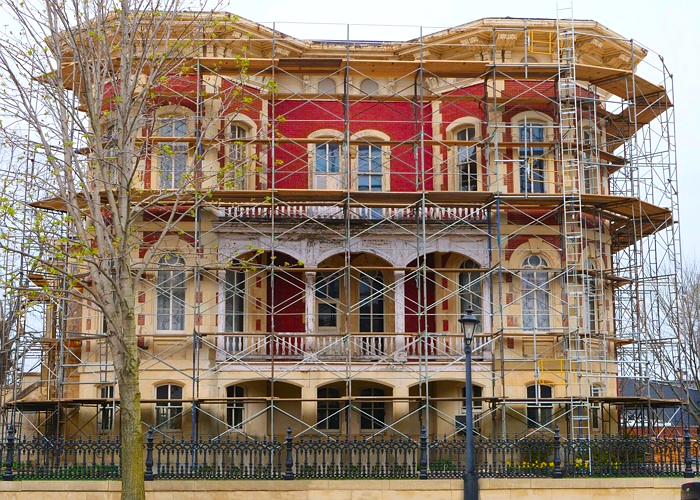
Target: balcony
[359, 347]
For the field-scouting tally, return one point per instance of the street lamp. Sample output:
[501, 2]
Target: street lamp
[469, 324]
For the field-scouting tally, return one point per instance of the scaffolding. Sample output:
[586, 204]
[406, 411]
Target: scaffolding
[366, 193]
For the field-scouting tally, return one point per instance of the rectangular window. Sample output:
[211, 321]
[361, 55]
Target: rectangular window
[594, 406]
[535, 301]
[373, 413]
[234, 409]
[105, 417]
[172, 156]
[171, 291]
[171, 126]
[327, 296]
[532, 161]
[237, 148]
[369, 176]
[172, 162]
[234, 297]
[591, 180]
[592, 304]
[327, 158]
[328, 410]
[327, 315]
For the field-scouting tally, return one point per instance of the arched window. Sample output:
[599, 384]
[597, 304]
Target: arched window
[372, 314]
[539, 413]
[535, 290]
[369, 86]
[328, 409]
[170, 288]
[234, 310]
[470, 291]
[373, 413]
[531, 156]
[466, 159]
[326, 86]
[172, 155]
[235, 409]
[169, 407]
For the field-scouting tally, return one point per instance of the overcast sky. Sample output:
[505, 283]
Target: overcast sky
[670, 30]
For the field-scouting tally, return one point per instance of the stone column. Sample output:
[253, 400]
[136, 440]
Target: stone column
[308, 404]
[310, 309]
[400, 309]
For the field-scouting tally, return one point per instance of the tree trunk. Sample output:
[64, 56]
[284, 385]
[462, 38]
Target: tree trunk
[127, 367]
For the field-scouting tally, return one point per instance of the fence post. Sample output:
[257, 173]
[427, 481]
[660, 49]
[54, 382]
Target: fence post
[289, 472]
[423, 453]
[7, 476]
[557, 473]
[148, 473]
[687, 453]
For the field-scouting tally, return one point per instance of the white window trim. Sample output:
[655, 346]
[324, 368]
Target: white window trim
[373, 138]
[453, 177]
[548, 136]
[250, 172]
[329, 135]
[162, 267]
[169, 403]
[534, 290]
[166, 112]
[233, 405]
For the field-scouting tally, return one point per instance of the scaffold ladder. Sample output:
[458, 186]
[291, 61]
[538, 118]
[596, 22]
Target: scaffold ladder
[572, 221]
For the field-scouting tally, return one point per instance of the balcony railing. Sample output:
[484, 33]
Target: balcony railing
[330, 213]
[359, 346]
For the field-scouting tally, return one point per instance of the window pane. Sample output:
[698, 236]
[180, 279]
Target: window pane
[371, 303]
[326, 315]
[327, 158]
[162, 392]
[179, 127]
[234, 300]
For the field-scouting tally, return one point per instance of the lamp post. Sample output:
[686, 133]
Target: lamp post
[469, 324]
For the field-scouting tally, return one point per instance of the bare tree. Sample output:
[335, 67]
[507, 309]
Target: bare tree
[674, 356]
[80, 83]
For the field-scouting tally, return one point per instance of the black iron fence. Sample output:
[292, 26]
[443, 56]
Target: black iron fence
[383, 457]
